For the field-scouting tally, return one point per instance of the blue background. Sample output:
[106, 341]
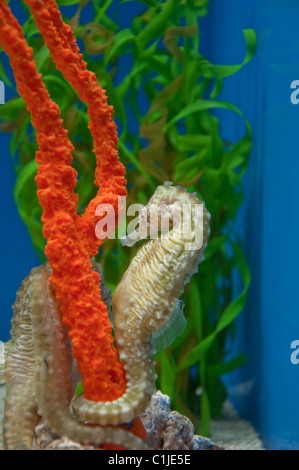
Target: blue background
[266, 390]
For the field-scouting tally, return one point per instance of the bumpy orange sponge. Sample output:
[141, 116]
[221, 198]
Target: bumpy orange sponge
[109, 175]
[70, 239]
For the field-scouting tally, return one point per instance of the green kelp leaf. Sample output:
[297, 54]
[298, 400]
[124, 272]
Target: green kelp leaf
[198, 90]
[167, 374]
[187, 164]
[3, 75]
[123, 257]
[217, 395]
[236, 307]
[28, 213]
[60, 91]
[114, 97]
[199, 3]
[166, 95]
[195, 308]
[133, 159]
[83, 188]
[25, 6]
[11, 109]
[113, 260]
[160, 65]
[175, 32]
[189, 167]
[35, 232]
[120, 41]
[227, 317]
[28, 172]
[155, 27]
[123, 87]
[236, 158]
[79, 389]
[30, 28]
[190, 178]
[205, 414]
[35, 229]
[227, 367]
[200, 105]
[197, 352]
[199, 6]
[20, 133]
[217, 88]
[83, 3]
[214, 245]
[101, 9]
[96, 38]
[154, 157]
[63, 3]
[41, 56]
[227, 70]
[150, 3]
[152, 124]
[193, 142]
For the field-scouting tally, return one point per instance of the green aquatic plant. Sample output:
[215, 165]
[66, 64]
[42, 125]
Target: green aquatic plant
[163, 91]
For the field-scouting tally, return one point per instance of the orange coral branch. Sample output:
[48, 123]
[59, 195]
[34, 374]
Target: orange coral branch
[109, 175]
[83, 311]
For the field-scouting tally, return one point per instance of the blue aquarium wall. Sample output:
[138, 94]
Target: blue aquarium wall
[265, 391]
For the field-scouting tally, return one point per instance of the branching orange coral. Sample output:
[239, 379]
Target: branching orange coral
[109, 175]
[71, 240]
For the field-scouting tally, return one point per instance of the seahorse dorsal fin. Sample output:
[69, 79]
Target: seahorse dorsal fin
[171, 329]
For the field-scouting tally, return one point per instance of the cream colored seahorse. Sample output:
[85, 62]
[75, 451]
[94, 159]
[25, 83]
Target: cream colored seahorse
[39, 373]
[146, 310]
[147, 316]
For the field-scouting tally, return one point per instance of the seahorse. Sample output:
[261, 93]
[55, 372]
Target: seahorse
[40, 374]
[147, 316]
[147, 312]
